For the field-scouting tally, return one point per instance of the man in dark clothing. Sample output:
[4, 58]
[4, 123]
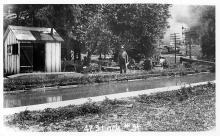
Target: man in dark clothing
[123, 60]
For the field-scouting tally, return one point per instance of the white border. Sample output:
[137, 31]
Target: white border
[176, 2]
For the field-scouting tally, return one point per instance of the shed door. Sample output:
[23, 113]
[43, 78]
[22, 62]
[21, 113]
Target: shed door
[26, 58]
[38, 56]
[32, 57]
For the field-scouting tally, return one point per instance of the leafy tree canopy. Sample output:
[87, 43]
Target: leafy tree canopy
[99, 28]
[205, 29]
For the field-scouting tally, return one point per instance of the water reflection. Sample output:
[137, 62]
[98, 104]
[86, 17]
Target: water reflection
[54, 99]
[127, 90]
[32, 98]
[12, 103]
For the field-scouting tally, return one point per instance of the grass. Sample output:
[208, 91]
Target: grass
[186, 109]
[27, 83]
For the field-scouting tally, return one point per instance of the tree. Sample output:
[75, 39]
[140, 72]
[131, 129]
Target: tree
[138, 25]
[205, 29]
[61, 17]
[208, 32]
[111, 25]
[19, 14]
[99, 28]
[94, 31]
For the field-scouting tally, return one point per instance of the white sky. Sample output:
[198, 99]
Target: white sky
[177, 11]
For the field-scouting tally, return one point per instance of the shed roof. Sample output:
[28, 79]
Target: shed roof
[23, 33]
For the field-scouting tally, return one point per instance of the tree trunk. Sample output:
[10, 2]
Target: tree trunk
[90, 52]
[17, 19]
[89, 58]
[100, 56]
[34, 23]
[79, 55]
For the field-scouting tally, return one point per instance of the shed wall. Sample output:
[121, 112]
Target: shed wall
[53, 57]
[11, 62]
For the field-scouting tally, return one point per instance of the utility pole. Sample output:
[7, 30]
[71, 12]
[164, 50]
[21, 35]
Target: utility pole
[174, 38]
[190, 48]
[189, 35]
[175, 45]
[184, 29]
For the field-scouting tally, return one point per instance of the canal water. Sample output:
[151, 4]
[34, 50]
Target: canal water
[40, 97]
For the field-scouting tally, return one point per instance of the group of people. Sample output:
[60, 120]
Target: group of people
[123, 61]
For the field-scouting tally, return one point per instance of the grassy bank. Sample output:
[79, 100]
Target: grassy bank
[51, 80]
[187, 109]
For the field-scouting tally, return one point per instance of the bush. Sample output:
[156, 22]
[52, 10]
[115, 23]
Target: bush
[108, 101]
[157, 98]
[147, 64]
[187, 65]
[89, 108]
[24, 115]
[212, 69]
[180, 95]
[184, 93]
[51, 115]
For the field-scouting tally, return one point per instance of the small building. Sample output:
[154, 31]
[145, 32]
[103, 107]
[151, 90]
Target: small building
[31, 49]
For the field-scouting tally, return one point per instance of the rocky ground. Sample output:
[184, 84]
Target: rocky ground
[187, 109]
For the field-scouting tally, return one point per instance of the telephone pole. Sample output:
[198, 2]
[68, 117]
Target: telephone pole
[189, 35]
[174, 38]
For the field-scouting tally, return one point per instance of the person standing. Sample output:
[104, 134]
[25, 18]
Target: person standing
[123, 60]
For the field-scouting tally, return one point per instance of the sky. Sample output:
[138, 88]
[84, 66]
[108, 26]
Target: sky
[179, 15]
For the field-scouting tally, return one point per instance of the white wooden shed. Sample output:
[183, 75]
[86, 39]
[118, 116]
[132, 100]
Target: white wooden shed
[30, 49]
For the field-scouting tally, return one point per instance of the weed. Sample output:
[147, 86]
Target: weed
[49, 115]
[89, 108]
[203, 70]
[196, 71]
[24, 115]
[108, 101]
[184, 93]
[210, 84]
[183, 73]
[212, 69]
[163, 74]
[165, 97]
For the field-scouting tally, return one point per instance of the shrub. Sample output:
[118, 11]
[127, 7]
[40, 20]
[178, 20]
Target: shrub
[108, 101]
[24, 115]
[147, 64]
[157, 98]
[164, 97]
[210, 84]
[49, 115]
[188, 65]
[89, 108]
[212, 69]
[185, 92]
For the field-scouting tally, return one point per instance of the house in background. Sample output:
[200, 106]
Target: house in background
[31, 49]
